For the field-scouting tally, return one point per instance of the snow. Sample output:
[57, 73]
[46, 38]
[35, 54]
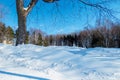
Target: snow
[31, 62]
[26, 8]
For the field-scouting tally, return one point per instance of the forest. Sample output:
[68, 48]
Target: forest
[106, 35]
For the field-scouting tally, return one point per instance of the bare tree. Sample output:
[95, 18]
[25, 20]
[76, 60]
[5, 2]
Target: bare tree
[85, 38]
[22, 13]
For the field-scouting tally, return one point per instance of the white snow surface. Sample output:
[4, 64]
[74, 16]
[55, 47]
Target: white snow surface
[31, 62]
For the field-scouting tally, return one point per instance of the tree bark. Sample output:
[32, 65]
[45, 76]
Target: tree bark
[22, 14]
[21, 22]
[21, 30]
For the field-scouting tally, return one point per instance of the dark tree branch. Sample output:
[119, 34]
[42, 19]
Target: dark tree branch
[104, 10]
[30, 6]
[98, 6]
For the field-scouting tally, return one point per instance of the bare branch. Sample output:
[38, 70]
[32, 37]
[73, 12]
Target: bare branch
[30, 6]
[98, 6]
[102, 9]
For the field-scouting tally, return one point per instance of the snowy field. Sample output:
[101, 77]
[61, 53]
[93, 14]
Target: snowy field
[30, 62]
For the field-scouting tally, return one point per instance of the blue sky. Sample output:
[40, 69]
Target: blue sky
[66, 18]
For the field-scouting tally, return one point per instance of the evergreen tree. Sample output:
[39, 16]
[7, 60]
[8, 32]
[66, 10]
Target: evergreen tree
[51, 40]
[45, 41]
[39, 42]
[27, 38]
[2, 32]
[9, 34]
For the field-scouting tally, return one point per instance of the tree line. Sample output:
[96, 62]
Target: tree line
[99, 36]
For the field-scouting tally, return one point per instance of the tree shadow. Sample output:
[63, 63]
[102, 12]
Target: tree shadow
[22, 75]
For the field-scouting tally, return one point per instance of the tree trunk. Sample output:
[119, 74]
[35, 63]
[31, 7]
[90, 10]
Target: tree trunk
[21, 22]
[21, 30]
[22, 14]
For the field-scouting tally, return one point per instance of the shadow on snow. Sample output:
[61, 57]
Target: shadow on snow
[22, 75]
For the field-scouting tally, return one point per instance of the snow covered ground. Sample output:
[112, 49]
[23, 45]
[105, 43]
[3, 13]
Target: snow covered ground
[30, 62]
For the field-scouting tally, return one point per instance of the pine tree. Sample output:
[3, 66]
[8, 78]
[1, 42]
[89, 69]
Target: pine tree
[39, 42]
[9, 34]
[2, 32]
[45, 41]
[27, 38]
